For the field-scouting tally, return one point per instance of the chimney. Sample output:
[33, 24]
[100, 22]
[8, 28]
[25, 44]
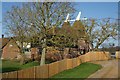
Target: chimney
[2, 35]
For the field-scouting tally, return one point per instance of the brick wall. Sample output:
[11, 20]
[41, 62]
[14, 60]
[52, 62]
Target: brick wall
[10, 51]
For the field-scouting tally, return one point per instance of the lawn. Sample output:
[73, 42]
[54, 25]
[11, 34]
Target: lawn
[82, 71]
[8, 66]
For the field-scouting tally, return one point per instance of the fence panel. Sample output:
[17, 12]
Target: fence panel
[53, 69]
[12, 74]
[74, 62]
[62, 65]
[87, 57]
[103, 56]
[78, 61]
[49, 70]
[5, 75]
[99, 55]
[117, 54]
[82, 58]
[94, 56]
[107, 55]
[69, 64]
[27, 73]
[42, 71]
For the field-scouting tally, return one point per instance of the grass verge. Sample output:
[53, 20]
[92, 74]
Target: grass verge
[82, 71]
[8, 66]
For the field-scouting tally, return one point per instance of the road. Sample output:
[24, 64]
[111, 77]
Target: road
[109, 69]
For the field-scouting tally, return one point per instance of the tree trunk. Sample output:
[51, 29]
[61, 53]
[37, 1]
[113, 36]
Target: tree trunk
[22, 60]
[42, 62]
[102, 40]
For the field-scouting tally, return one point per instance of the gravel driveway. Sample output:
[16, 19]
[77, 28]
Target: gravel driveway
[109, 70]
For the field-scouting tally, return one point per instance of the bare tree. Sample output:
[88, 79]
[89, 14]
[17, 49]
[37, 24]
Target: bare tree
[36, 19]
[101, 30]
[17, 28]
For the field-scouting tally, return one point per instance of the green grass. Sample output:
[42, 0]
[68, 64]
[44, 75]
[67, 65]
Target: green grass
[30, 64]
[8, 66]
[81, 71]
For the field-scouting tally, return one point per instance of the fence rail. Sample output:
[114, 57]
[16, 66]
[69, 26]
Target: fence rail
[49, 70]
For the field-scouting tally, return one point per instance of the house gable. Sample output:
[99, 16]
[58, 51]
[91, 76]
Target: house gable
[10, 50]
[4, 41]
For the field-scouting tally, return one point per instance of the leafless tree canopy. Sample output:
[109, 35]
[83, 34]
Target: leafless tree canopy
[32, 21]
[100, 30]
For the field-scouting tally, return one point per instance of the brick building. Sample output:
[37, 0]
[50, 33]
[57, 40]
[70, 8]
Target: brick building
[83, 41]
[9, 48]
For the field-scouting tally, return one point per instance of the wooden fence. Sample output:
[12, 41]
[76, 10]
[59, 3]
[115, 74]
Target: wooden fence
[117, 54]
[49, 70]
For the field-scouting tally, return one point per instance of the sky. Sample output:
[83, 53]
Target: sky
[0, 18]
[89, 10]
[61, 0]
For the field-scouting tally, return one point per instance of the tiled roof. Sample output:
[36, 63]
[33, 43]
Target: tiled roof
[66, 25]
[66, 28]
[79, 26]
[4, 41]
